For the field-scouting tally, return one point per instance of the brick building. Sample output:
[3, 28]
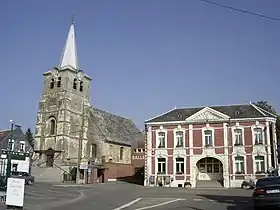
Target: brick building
[138, 153]
[226, 144]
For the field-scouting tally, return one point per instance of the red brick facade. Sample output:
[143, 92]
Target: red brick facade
[222, 149]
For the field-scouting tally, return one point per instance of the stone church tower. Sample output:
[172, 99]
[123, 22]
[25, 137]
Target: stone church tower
[62, 119]
[72, 134]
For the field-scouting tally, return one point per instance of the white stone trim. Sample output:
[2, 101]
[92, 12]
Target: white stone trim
[233, 128]
[207, 109]
[253, 133]
[245, 163]
[262, 111]
[226, 140]
[179, 129]
[203, 135]
[190, 137]
[112, 180]
[148, 156]
[254, 162]
[161, 130]
[268, 138]
[270, 119]
[275, 144]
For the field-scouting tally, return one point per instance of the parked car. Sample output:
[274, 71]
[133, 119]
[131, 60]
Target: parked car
[267, 193]
[23, 175]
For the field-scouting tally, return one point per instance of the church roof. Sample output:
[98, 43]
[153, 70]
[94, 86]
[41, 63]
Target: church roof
[69, 58]
[106, 126]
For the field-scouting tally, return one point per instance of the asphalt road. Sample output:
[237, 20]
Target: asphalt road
[117, 196]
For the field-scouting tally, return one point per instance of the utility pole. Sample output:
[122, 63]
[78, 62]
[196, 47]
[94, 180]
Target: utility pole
[8, 168]
[81, 135]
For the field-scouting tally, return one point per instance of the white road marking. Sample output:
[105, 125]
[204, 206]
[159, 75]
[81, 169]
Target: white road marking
[164, 198]
[229, 201]
[161, 204]
[128, 204]
[33, 194]
[197, 199]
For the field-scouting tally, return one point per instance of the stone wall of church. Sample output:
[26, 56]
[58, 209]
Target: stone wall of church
[113, 153]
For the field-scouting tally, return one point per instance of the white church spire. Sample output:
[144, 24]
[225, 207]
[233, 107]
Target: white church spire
[69, 57]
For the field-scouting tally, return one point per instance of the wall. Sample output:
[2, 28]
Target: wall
[138, 157]
[117, 170]
[112, 151]
[223, 149]
[22, 165]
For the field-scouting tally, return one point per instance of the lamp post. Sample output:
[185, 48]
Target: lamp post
[8, 168]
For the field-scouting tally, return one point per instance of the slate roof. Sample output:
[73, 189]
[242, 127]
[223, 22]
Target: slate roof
[112, 128]
[4, 134]
[233, 111]
[140, 143]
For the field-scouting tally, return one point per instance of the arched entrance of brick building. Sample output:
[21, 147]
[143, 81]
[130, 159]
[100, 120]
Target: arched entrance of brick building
[209, 170]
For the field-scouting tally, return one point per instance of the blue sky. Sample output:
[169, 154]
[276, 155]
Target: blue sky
[145, 57]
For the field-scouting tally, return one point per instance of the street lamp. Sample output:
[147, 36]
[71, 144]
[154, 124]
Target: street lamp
[8, 168]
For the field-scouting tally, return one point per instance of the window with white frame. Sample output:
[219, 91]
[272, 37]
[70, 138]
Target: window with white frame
[238, 140]
[11, 144]
[161, 139]
[239, 165]
[179, 136]
[22, 146]
[180, 165]
[208, 138]
[161, 166]
[259, 163]
[258, 135]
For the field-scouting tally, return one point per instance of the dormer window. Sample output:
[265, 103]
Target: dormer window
[52, 83]
[75, 84]
[22, 146]
[58, 84]
[81, 86]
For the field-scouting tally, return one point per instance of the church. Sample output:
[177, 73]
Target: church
[75, 141]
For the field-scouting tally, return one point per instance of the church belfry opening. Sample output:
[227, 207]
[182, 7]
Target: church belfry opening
[52, 83]
[58, 84]
[75, 84]
[81, 86]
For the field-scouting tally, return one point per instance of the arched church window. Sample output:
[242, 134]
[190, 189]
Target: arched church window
[75, 84]
[81, 86]
[58, 84]
[52, 83]
[121, 153]
[52, 127]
